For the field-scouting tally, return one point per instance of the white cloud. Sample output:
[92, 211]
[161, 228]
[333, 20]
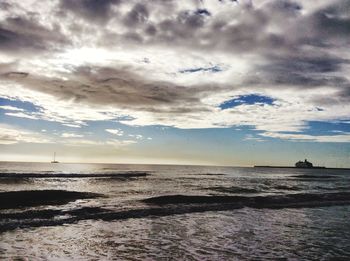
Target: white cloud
[136, 136]
[10, 108]
[22, 115]
[66, 112]
[120, 143]
[304, 137]
[72, 125]
[71, 135]
[117, 132]
[111, 142]
[12, 135]
[281, 50]
[250, 137]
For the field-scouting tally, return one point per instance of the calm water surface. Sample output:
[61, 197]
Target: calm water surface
[241, 233]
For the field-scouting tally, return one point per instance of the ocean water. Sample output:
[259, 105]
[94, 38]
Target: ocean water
[163, 212]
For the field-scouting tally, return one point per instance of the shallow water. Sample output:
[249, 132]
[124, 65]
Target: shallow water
[120, 225]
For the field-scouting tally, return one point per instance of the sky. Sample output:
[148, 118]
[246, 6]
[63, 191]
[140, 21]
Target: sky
[210, 82]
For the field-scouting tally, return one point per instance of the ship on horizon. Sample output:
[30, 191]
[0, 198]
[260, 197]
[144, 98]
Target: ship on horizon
[299, 165]
[304, 164]
[54, 158]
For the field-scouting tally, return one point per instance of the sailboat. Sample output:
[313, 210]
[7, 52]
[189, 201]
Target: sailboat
[54, 158]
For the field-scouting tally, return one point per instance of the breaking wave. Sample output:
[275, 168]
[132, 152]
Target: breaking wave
[154, 207]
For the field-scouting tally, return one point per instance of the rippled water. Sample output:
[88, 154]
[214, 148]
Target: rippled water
[285, 214]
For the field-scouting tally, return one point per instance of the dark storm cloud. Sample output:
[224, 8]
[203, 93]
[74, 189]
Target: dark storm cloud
[301, 73]
[302, 69]
[303, 82]
[181, 29]
[199, 28]
[284, 7]
[20, 34]
[190, 19]
[292, 48]
[334, 19]
[95, 10]
[301, 57]
[137, 15]
[118, 87]
[339, 98]
[332, 25]
[5, 6]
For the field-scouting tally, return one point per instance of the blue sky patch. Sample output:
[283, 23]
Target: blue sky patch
[249, 99]
[204, 12]
[27, 106]
[212, 69]
[326, 128]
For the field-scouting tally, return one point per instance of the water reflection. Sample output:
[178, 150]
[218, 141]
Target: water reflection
[238, 234]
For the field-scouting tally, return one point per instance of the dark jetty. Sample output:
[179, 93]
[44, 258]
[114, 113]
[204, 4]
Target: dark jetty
[299, 165]
[292, 167]
[31, 198]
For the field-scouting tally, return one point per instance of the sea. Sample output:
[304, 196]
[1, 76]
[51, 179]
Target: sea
[169, 212]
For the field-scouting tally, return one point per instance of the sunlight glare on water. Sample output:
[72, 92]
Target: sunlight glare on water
[242, 233]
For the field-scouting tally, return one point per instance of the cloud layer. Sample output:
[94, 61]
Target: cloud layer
[173, 63]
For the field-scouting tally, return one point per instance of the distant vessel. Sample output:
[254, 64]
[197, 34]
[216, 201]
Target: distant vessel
[54, 158]
[304, 164]
[300, 165]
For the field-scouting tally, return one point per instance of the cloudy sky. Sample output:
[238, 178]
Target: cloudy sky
[187, 82]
